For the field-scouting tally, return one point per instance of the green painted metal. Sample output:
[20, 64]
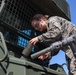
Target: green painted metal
[24, 67]
[21, 66]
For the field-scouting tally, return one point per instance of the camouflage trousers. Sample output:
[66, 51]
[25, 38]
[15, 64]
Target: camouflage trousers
[70, 61]
[71, 58]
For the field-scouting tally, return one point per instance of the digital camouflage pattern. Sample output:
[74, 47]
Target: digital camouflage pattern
[59, 28]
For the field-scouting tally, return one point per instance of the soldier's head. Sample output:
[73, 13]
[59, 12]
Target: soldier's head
[39, 22]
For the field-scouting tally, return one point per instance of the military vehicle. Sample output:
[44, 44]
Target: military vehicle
[16, 31]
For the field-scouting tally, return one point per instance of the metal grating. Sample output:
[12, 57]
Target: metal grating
[17, 14]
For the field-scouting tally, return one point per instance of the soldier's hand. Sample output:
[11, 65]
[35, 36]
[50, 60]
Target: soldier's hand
[44, 56]
[34, 40]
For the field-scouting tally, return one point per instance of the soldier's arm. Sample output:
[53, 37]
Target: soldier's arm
[53, 34]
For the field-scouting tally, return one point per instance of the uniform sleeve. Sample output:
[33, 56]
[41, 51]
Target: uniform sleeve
[54, 32]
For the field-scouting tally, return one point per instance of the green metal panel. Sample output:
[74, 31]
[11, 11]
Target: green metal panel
[24, 67]
[53, 7]
[64, 7]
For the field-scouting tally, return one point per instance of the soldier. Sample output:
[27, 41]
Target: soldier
[57, 28]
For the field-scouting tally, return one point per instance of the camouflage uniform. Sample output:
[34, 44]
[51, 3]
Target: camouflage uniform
[59, 28]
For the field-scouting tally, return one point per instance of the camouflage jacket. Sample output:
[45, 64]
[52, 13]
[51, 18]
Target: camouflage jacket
[57, 27]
